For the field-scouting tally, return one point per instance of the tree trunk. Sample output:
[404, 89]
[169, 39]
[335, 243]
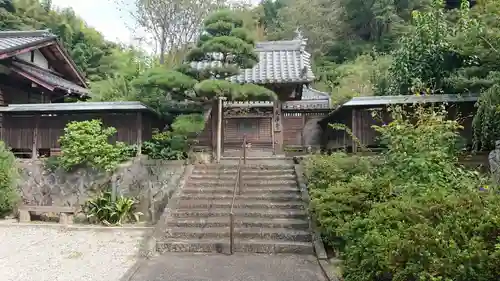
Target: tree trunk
[162, 47]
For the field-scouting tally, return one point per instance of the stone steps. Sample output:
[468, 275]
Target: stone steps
[229, 181]
[247, 167]
[275, 190]
[238, 203]
[242, 233]
[259, 213]
[240, 245]
[223, 221]
[284, 197]
[269, 215]
[244, 177]
[233, 171]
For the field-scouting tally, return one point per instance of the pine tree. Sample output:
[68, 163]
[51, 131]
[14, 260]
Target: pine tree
[226, 47]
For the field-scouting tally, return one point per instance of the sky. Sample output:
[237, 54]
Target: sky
[111, 19]
[103, 15]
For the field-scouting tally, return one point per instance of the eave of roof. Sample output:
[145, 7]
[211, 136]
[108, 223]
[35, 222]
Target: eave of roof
[409, 99]
[374, 101]
[14, 43]
[312, 99]
[75, 106]
[46, 78]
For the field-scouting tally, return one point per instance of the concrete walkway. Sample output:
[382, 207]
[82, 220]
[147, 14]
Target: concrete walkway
[238, 267]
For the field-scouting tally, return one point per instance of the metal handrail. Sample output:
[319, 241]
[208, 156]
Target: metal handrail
[236, 190]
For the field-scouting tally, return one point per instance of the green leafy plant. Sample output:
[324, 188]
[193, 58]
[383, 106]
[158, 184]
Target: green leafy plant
[52, 163]
[188, 124]
[103, 210]
[167, 146]
[411, 213]
[86, 144]
[8, 176]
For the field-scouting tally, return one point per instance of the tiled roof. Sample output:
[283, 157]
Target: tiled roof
[377, 101]
[409, 99]
[13, 40]
[311, 99]
[76, 106]
[313, 94]
[30, 70]
[279, 62]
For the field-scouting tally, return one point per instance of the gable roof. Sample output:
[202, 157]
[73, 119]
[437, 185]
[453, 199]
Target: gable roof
[46, 78]
[15, 40]
[279, 62]
[13, 43]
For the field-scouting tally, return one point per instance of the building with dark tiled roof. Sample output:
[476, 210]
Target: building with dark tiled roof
[35, 67]
[289, 123]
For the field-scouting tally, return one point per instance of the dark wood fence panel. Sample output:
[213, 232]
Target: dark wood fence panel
[18, 130]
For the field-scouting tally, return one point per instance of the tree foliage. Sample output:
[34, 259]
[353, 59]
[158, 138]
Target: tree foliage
[8, 177]
[225, 47]
[173, 23]
[86, 144]
[412, 213]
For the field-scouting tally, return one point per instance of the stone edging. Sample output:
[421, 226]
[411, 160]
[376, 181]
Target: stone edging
[148, 249]
[319, 248]
[76, 227]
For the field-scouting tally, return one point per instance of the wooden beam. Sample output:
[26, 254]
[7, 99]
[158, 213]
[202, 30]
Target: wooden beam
[34, 148]
[139, 132]
[354, 132]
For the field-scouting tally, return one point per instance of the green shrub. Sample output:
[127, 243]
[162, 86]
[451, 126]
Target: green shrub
[413, 213]
[340, 187]
[188, 124]
[103, 210]
[438, 235]
[86, 144]
[167, 146]
[8, 175]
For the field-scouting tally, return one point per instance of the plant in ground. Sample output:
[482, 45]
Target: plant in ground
[413, 213]
[167, 146]
[8, 174]
[86, 144]
[102, 209]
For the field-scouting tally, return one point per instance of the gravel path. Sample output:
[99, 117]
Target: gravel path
[54, 254]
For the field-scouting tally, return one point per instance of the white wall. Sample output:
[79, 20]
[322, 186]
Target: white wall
[39, 59]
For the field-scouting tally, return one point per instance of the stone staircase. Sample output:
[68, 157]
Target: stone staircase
[269, 213]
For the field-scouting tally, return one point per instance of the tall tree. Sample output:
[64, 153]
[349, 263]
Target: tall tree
[225, 47]
[173, 24]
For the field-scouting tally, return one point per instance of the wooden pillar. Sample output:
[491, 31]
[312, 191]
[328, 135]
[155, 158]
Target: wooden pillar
[273, 138]
[278, 132]
[354, 129]
[219, 127]
[34, 148]
[213, 124]
[138, 125]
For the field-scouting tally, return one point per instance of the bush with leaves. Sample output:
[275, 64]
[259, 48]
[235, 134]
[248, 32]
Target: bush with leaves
[86, 144]
[166, 146]
[340, 187]
[414, 213]
[103, 209]
[8, 174]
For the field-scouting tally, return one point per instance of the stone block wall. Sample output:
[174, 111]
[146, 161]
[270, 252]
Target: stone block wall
[151, 182]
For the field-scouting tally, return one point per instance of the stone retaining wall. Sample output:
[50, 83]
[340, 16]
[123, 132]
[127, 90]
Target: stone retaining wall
[151, 182]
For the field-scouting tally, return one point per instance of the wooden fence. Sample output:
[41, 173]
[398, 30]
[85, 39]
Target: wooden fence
[32, 133]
